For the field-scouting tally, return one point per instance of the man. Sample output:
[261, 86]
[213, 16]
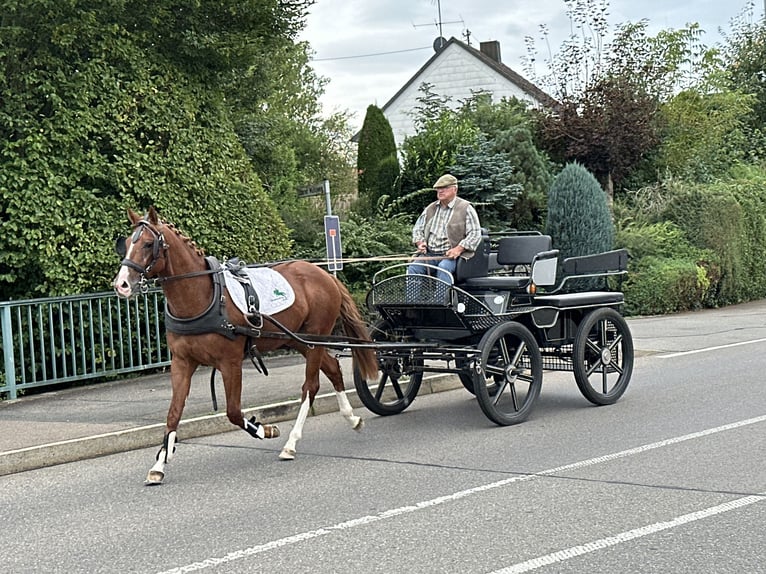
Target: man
[447, 229]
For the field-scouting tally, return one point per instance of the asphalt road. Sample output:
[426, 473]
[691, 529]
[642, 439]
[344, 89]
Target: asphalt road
[670, 479]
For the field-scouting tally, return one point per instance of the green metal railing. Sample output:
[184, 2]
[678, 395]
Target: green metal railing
[64, 339]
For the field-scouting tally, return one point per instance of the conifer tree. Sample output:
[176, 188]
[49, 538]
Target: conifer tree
[579, 221]
[377, 164]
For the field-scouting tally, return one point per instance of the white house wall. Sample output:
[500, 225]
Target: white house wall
[455, 73]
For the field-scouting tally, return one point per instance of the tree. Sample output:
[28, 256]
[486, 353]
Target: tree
[377, 170]
[511, 128]
[609, 129]
[704, 135]
[609, 93]
[427, 155]
[579, 221]
[114, 104]
[486, 179]
[745, 52]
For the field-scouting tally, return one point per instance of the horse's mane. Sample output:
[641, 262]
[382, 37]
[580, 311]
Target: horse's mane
[185, 238]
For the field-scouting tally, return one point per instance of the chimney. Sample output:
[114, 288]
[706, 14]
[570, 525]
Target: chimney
[491, 49]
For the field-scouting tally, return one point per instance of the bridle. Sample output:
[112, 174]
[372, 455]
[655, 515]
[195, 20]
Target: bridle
[159, 247]
[159, 251]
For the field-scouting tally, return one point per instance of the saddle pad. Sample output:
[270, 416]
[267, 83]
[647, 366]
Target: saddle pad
[274, 292]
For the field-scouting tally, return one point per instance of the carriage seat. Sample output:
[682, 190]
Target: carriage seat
[510, 268]
[476, 266]
[583, 299]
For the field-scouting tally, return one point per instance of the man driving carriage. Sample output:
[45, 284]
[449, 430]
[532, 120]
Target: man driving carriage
[447, 229]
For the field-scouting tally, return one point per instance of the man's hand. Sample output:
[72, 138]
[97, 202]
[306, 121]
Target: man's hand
[455, 252]
[421, 245]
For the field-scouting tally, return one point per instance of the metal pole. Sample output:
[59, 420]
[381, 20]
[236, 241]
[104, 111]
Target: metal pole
[10, 366]
[327, 192]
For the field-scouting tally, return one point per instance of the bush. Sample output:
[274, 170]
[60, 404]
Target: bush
[713, 219]
[665, 285]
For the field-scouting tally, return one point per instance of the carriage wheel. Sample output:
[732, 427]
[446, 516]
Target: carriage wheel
[397, 384]
[603, 356]
[511, 373]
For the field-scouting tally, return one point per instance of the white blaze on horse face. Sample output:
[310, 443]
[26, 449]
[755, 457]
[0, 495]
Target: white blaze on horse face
[122, 284]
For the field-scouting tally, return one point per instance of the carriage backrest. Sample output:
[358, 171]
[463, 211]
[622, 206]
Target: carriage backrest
[521, 249]
[476, 266]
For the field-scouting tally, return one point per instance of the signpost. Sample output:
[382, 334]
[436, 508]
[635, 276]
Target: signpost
[331, 225]
[332, 239]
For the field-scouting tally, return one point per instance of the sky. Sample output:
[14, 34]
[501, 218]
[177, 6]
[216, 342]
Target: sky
[368, 49]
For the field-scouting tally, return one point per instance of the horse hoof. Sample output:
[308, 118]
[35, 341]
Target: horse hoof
[270, 431]
[359, 425]
[287, 454]
[154, 478]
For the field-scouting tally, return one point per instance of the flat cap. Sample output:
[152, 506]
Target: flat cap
[445, 181]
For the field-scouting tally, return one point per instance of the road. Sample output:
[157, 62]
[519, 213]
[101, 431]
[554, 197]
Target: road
[670, 479]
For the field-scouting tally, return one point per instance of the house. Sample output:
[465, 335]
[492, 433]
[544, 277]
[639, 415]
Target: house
[457, 70]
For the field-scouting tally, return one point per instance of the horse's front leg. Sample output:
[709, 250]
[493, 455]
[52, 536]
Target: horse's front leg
[181, 371]
[232, 383]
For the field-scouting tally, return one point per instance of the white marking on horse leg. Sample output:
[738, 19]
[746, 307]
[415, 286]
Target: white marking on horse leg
[347, 411]
[157, 472]
[288, 451]
[168, 449]
[171, 446]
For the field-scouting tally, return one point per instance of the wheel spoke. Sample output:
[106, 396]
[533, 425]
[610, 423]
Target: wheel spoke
[519, 352]
[495, 370]
[397, 388]
[381, 387]
[525, 377]
[593, 347]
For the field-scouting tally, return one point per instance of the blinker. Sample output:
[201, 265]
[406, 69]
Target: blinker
[120, 247]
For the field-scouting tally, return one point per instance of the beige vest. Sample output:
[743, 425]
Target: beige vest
[455, 225]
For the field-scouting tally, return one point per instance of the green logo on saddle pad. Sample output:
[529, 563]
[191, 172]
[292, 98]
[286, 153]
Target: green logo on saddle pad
[279, 294]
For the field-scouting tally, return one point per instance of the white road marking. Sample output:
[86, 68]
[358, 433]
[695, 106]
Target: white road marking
[402, 510]
[575, 551]
[706, 349]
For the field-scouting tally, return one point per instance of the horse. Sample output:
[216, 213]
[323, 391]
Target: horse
[158, 250]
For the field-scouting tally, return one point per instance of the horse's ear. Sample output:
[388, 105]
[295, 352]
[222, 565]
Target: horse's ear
[153, 217]
[133, 216]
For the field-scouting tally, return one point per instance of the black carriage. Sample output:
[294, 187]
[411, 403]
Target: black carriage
[513, 312]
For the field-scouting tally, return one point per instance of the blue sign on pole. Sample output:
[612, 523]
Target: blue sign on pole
[332, 238]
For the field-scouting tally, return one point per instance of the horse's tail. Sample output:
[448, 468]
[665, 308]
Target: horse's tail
[353, 325]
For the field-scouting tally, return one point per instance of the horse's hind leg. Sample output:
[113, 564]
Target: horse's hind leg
[331, 369]
[308, 393]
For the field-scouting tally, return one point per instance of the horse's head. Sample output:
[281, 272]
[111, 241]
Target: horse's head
[144, 254]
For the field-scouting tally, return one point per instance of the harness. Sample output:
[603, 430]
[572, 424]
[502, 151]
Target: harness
[214, 319]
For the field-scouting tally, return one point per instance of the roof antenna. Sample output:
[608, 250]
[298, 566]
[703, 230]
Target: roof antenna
[440, 41]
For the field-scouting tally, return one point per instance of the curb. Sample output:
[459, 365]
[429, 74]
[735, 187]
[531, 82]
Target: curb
[72, 450]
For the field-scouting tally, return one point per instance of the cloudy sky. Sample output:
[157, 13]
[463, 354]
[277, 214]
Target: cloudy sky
[368, 49]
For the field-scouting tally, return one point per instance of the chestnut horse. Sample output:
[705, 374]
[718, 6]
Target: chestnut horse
[158, 250]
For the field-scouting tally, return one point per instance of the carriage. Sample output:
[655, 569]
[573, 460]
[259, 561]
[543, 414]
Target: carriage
[510, 315]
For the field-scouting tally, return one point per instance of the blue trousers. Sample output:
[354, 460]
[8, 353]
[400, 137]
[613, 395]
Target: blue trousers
[448, 265]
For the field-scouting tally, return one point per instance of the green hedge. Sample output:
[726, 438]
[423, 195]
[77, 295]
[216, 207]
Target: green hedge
[705, 246]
